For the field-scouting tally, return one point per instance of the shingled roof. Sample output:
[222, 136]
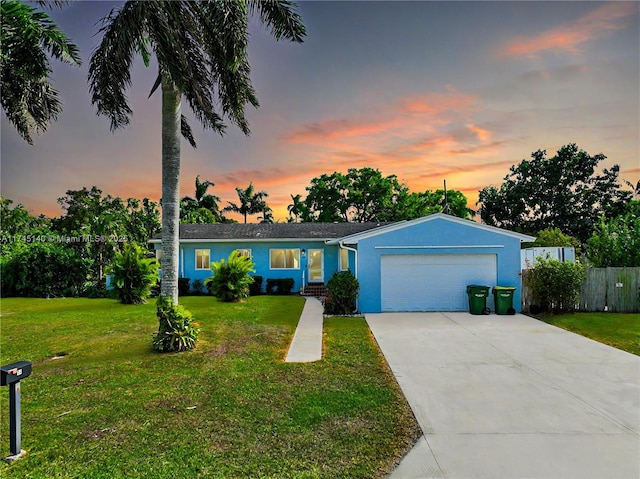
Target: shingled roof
[260, 231]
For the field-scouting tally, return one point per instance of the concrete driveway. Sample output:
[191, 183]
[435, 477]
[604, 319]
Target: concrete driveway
[512, 397]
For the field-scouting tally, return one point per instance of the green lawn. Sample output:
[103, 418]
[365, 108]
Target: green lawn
[232, 408]
[616, 329]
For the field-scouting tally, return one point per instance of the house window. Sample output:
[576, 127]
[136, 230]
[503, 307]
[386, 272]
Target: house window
[244, 252]
[202, 259]
[159, 256]
[344, 259]
[284, 258]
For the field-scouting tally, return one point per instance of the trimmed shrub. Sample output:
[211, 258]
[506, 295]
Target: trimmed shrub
[255, 288]
[197, 287]
[133, 274]
[184, 286]
[280, 286]
[176, 331]
[555, 286]
[231, 280]
[342, 292]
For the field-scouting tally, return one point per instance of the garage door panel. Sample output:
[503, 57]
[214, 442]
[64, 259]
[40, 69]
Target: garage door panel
[432, 282]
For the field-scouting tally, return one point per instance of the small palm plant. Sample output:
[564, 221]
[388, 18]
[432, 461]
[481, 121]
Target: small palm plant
[231, 280]
[176, 330]
[133, 274]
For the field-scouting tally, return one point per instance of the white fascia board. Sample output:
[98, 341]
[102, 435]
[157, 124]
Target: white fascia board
[248, 240]
[353, 239]
[462, 246]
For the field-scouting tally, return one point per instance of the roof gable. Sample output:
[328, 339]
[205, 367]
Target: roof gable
[355, 238]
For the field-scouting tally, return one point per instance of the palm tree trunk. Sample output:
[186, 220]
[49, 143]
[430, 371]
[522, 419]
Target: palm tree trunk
[170, 189]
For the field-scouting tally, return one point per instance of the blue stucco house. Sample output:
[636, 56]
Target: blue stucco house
[419, 265]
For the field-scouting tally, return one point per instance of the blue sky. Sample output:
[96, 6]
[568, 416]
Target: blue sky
[425, 90]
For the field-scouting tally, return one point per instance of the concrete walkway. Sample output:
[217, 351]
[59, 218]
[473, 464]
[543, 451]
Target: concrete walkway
[306, 345]
[512, 397]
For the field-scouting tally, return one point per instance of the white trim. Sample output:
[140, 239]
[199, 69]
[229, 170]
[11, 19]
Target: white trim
[355, 267]
[442, 247]
[248, 240]
[196, 259]
[343, 267]
[321, 280]
[354, 239]
[245, 249]
[285, 259]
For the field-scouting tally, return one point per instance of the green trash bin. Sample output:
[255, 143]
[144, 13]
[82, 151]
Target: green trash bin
[478, 298]
[503, 299]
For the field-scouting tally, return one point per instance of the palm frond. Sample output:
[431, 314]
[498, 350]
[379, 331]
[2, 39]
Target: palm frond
[281, 19]
[27, 35]
[187, 133]
[110, 64]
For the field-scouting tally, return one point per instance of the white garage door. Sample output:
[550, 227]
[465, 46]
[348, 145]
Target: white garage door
[433, 282]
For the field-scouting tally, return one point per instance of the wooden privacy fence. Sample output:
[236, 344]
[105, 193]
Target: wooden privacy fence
[611, 289]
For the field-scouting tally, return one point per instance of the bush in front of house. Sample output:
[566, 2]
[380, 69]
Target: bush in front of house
[342, 292]
[255, 288]
[176, 330]
[555, 286]
[184, 285]
[133, 274]
[231, 280]
[43, 270]
[279, 286]
[197, 287]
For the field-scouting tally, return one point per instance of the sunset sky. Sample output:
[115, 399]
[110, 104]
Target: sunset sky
[427, 91]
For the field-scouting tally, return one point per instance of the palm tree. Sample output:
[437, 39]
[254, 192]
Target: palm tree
[201, 49]
[201, 201]
[28, 38]
[250, 203]
[267, 215]
[295, 208]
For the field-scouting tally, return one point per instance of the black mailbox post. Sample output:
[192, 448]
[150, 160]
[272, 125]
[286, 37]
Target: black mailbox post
[10, 375]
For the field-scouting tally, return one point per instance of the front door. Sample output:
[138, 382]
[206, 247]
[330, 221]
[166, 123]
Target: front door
[316, 266]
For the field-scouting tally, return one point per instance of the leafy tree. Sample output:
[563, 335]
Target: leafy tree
[231, 280]
[327, 199]
[201, 49]
[552, 237]
[615, 242]
[200, 216]
[133, 274]
[251, 202]
[415, 205]
[43, 269]
[17, 226]
[28, 38]
[93, 224]
[142, 220]
[98, 226]
[363, 195]
[191, 209]
[559, 192]
[555, 286]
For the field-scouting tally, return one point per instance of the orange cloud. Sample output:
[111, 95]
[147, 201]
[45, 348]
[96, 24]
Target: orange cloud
[569, 37]
[483, 134]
